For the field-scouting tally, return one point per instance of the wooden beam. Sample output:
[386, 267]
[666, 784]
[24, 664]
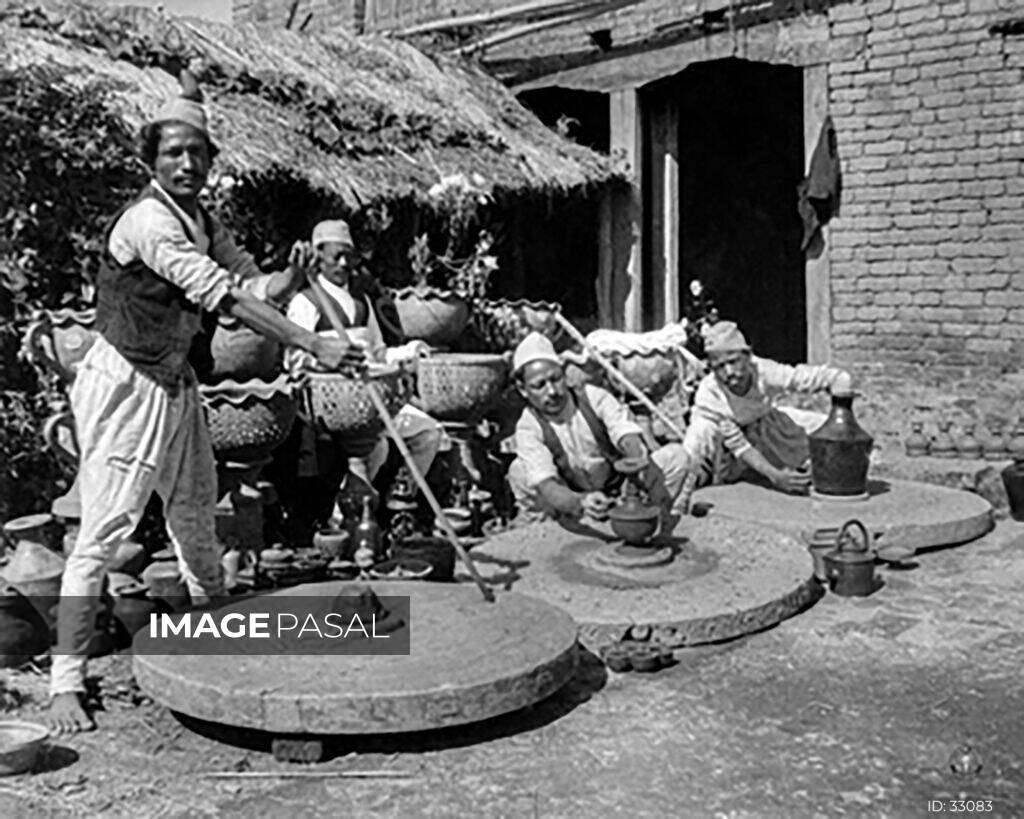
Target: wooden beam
[817, 273]
[627, 148]
[665, 206]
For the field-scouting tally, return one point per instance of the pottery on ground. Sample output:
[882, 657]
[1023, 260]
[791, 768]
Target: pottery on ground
[20, 744]
[460, 386]
[840, 452]
[248, 420]
[437, 317]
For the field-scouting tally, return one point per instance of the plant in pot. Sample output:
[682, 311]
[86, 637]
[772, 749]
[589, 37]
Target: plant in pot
[436, 307]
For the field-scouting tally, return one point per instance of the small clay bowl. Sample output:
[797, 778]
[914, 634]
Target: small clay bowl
[617, 658]
[20, 744]
[331, 543]
[408, 568]
[645, 658]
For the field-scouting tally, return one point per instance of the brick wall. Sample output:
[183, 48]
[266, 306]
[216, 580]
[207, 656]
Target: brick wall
[927, 258]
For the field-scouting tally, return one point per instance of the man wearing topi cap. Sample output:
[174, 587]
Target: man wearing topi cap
[733, 410]
[371, 320]
[569, 442]
[139, 423]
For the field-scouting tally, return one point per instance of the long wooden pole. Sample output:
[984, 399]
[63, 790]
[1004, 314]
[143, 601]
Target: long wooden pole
[389, 424]
[618, 376]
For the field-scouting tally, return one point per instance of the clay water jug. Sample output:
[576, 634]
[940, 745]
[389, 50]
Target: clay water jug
[851, 567]
[840, 452]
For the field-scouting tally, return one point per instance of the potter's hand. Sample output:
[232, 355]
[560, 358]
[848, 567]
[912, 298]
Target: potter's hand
[791, 481]
[337, 353]
[842, 385]
[596, 505]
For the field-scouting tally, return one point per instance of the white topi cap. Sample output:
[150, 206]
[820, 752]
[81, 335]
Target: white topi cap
[535, 347]
[333, 230]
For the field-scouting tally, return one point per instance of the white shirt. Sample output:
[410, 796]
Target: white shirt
[590, 469]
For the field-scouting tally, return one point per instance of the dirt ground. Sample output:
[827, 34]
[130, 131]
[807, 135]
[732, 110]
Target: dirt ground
[850, 709]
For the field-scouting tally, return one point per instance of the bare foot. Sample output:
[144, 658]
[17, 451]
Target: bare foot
[67, 716]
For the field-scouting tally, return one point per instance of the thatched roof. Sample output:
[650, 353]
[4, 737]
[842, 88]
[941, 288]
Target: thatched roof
[362, 119]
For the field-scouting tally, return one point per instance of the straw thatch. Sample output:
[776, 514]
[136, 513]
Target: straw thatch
[360, 119]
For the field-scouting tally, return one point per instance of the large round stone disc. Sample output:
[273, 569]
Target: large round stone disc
[727, 578]
[900, 513]
[469, 660]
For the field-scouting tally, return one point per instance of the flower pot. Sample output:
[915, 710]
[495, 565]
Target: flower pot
[58, 340]
[248, 420]
[437, 317]
[341, 405]
[460, 386]
[241, 354]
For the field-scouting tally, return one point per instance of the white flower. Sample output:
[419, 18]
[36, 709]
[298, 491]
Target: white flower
[696, 288]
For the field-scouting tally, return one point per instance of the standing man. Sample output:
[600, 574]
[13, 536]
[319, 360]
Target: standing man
[138, 418]
[736, 431]
[573, 444]
[371, 320]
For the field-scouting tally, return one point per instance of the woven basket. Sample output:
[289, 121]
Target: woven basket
[460, 386]
[341, 405]
[249, 419]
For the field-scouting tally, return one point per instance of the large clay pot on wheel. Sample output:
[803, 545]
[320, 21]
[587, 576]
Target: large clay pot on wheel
[437, 317]
[460, 386]
[240, 353]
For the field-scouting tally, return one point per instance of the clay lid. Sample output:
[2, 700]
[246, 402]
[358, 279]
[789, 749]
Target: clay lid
[24, 524]
[32, 562]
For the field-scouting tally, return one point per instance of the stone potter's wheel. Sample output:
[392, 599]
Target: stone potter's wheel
[469, 660]
[726, 579]
[898, 513]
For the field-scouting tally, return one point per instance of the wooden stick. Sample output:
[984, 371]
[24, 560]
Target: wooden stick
[382, 410]
[618, 376]
[308, 775]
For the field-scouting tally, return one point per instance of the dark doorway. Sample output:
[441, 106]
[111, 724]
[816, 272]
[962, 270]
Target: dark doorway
[741, 159]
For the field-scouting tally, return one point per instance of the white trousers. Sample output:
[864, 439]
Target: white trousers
[134, 438]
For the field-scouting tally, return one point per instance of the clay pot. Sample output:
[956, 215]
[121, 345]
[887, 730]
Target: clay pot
[617, 658]
[248, 420]
[634, 522]
[165, 584]
[35, 569]
[502, 324]
[968, 446]
[840, 452]
[341, 405]
[129, 558]
[20, 745]
[333, 543]
[437, 317]
[58, 340]
[133, 613]
[916, 443]
[653, 373]
[460, 386]
[994, 444]
[241, 354]
[461, 520]
[645, 658]
[1013, 481]
[943, 445]
[851, 567]
[439, 553]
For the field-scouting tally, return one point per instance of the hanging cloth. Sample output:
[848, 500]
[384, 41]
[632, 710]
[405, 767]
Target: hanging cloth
[820, 191]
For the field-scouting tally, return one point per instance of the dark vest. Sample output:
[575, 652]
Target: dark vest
[139, 312]
[597, 428]
[363, 287]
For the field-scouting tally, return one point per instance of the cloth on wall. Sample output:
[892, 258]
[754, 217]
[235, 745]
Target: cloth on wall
[819, 193]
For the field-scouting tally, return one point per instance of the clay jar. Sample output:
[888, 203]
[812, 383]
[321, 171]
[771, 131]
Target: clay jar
[241, 354]
[851, 567]
[916, 443]
[333, 543]
[634, 522]
[1013, 475]
[437, 317]
[840, 452]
